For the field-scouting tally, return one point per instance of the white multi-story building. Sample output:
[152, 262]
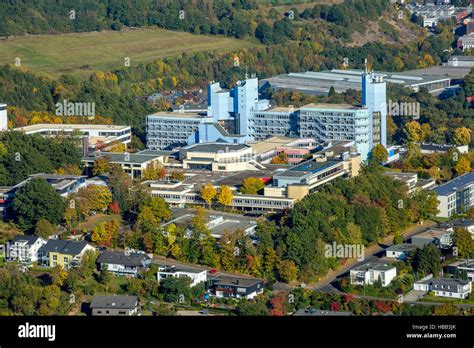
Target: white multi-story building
[196, 275]
[456, 196]
[372, 272]
[25, 248]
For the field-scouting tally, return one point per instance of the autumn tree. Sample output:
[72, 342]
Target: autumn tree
[225, 195]
[101, 166]
[208, 192]
[379, 153]
[154, 171]
[464, 243]
[287, 271]
[44, 229]
[281, 158]
[251, 185]
[463, 165]
[413, 131]
[177, 175]
[462, 136]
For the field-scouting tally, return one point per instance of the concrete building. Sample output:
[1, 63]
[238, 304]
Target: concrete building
[277, 121]
[372, 272]
[466, 42]
[97, 137]
[412, 182]
[115, 305]
[436, 148]
[456, 196]
[460, 266]
[24, 249]
[218, 157]
[196, 275]
[462, 61]
[235, 287]
[132, 163]
[441, 238]
[319, 83]
[400, 251]
[268, 148]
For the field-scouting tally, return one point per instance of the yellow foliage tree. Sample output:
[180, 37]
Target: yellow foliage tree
[462, 136]
[208, 192]
[225, 196]
[463, 165]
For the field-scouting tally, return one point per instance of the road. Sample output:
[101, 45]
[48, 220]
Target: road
[325, 283]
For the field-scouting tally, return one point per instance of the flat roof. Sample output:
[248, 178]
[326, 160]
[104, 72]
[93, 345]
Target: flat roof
[376, 266]
[121, 157]
[214, 147]
[165, 114]
[309, 167]
[332, 106]
[237, 281]
[405, 247]
[67, 126]
[431, 233]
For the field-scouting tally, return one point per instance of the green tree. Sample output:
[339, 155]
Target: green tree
[37, 200]
[379, 153]
[251, 185]
[44, 229]
[464, 243]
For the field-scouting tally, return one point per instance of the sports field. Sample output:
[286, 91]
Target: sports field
[82, 54]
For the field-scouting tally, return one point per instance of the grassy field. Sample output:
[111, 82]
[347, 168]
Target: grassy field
[84, 53]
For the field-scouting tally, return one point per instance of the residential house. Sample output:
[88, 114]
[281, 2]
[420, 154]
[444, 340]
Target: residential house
[24, 248]
[124, 263]
[372, 272]
[445, 287]
[235, 287]
[443, 239]
[115, 305]
[460, 266]
[400, 251]
[63, 253]
[196, 275]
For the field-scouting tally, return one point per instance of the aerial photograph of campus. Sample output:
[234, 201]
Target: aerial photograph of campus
[237, 158]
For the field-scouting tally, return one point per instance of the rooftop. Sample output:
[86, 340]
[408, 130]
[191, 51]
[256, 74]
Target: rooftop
[177, 115]
[63, 247]
[376, 266]
[120, 157]
[309, 167]
[236, 281]
[70, 127]
[115, 301]
[180, 268]
[121, 258]
[432, 233]
[215, 147]
[405, 247]
[452, 186]
[30, 240]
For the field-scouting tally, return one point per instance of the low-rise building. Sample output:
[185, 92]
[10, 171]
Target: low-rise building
[98, 137]
[132, 163]
[400, 251]
[371, 272]
[412, 182]
[196, 275]
[437, 148]
[235, 287]
[24, 248]
[115, 305]
[63, 253]
[456, 196]
[127, 263]
[444, 287]
[218, 157]
[466, 224]
[462, 266]
[443, 239]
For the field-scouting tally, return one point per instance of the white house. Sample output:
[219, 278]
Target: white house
[197, 275]
[25, 248]
[371, 272]
[444, 287]
[400, 251]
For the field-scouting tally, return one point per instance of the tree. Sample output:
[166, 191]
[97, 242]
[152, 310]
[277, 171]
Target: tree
[379, 153]
[114, 208]
[281, 158]
[44, 229]
[177, 175]
[413, 131]
[288, 271]
[104, 276]
[225, 195]
[462, 136]
[176, 289]
[94, 199]
[247, 308]
[463, 165]
[464, 242]
[158, 207]
[37, 200]
[101, 166]
[154, 171]
[251, 185]
[208, 192]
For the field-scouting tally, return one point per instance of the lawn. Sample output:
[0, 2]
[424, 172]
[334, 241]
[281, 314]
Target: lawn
[429, 298]
[93, 221]
[81, 54]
